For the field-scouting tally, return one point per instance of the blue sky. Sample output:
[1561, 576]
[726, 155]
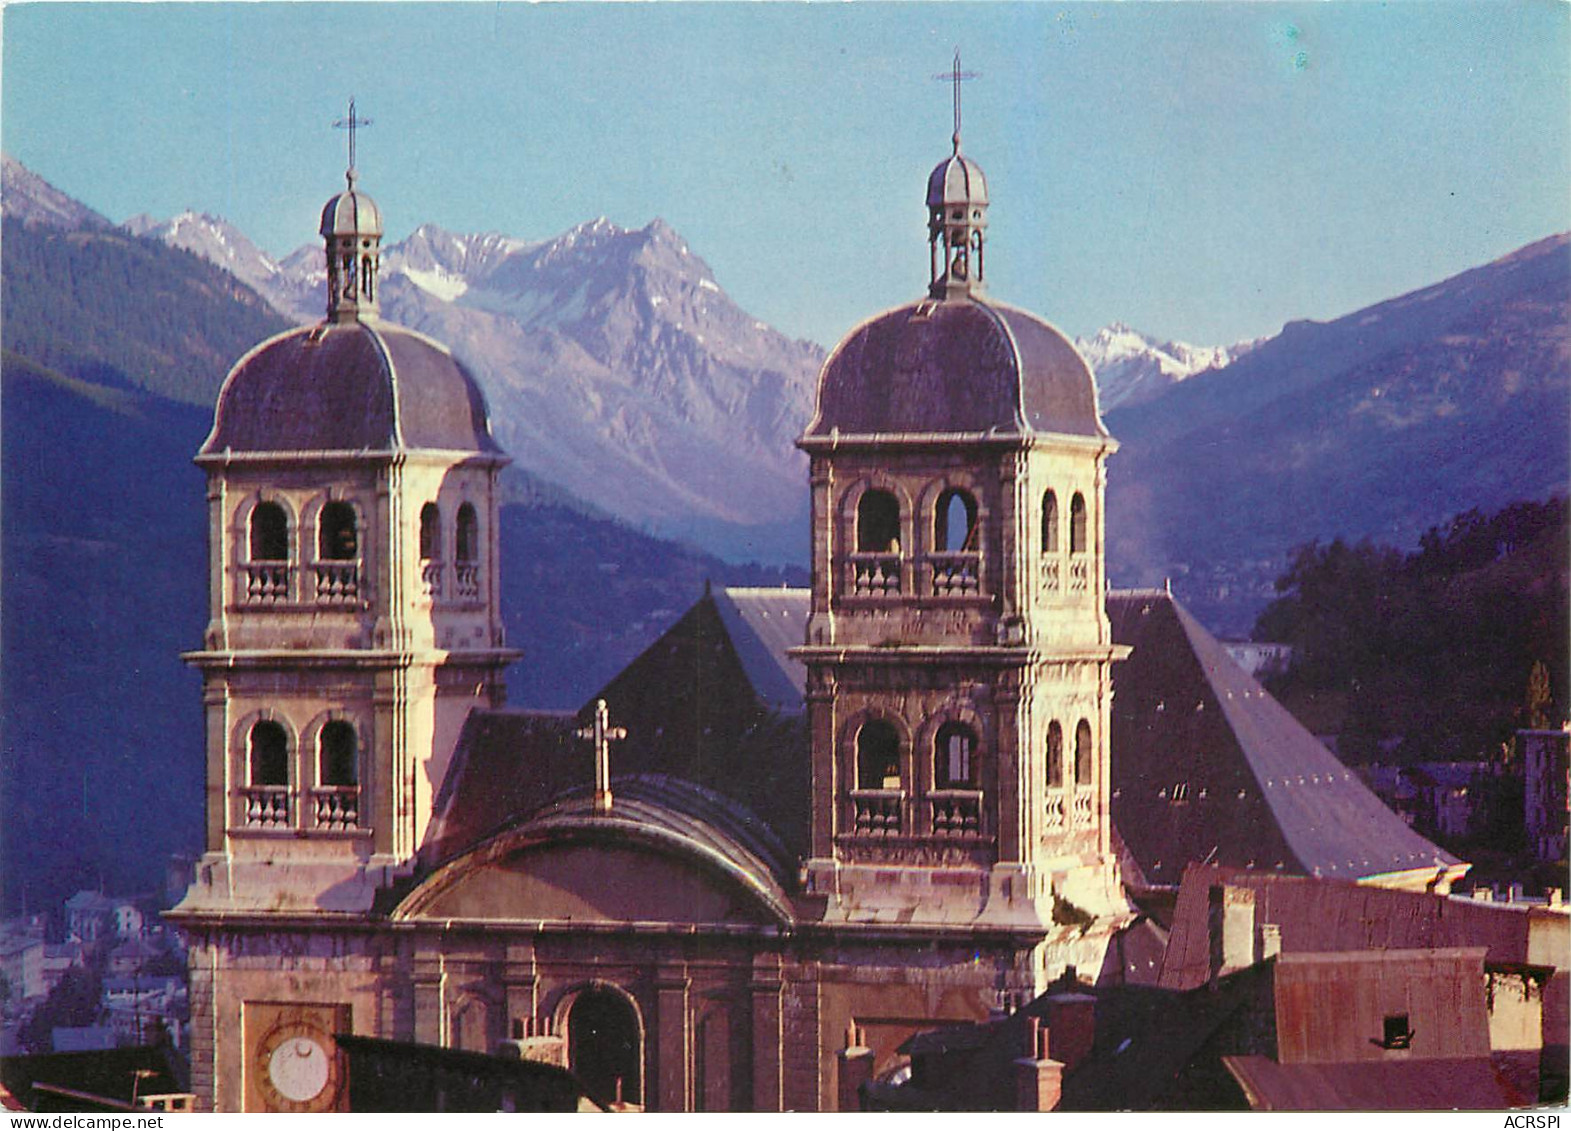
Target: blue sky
[1202, 170]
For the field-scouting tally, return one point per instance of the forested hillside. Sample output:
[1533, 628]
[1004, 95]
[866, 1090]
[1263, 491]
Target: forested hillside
[1437, 654]
[122, 311]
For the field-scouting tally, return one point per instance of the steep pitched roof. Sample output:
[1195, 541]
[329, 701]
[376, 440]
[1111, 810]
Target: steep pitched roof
[763, 624]
[1208, 766]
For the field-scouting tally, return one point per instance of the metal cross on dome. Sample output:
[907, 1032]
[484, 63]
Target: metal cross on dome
[602, 734]
[351, 123]
[956, 76]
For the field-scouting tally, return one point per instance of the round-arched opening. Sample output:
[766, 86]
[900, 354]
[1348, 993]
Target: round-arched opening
[467, 534]
[954, 523]
[269, 533]
[430, 532]
[1055, 755]
[1077, 524]
[604, 1046]
[954, 757]
[337, 539]
[877, 523]
[340, 754]
[1049, 523]
[1083, 753]
[269, 754]
[877, 756]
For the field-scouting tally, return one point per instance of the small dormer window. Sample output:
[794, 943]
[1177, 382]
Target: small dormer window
[1397, 1033]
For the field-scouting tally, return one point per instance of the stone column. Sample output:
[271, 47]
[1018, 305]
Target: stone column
[766, 986]
[673, 1048]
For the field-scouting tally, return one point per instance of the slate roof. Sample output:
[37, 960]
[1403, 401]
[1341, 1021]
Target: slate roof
[514, 769]
[107, 1073]
[1208, 766]
[1413, 1085]
[366, 386]
[763, 624]
[1326, 915]
[955, 366]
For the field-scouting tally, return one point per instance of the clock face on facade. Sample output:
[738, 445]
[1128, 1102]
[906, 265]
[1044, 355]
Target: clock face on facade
[295, 1063]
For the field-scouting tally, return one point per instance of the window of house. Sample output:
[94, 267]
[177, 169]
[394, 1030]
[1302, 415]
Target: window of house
[954, 522]
[1083, 753]
[430, 532]
[269, 754]
[1397, 1033]
[1077, 524]
[269, 533]
[1049, 523]
[1055, 755]
[878, 524]
[467, 534]
[954, 757]
[877, 756]
[340, 754]
[337, 539]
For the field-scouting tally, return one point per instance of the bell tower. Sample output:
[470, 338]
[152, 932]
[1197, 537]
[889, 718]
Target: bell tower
[353, 588]
[958, 652]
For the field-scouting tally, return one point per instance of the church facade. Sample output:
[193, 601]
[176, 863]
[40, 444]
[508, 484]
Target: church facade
[923, 836]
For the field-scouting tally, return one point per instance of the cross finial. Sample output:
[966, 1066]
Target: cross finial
[351, 123]
[602, 734]
[956, 76]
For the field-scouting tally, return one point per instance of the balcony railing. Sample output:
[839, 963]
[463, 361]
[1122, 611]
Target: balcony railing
[337, 583]
[266, 583]
[1054, 819]
[337, 807]
[956, 812]
[467, 578]
[1052, 573]
[1084, 809]
[954, 574]
[1079, 575]
[876, 812]
[431, 578]
[266, 806]
[874, 574]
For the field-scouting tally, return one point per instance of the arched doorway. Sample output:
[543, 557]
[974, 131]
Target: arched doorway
[604, 1045]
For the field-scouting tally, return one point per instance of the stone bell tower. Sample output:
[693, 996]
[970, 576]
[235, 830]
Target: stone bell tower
[958, 652]
[353, 594]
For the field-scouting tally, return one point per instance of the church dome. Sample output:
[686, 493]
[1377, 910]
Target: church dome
[350, 386]
[958, 366]
[956, 180]
[351, 213]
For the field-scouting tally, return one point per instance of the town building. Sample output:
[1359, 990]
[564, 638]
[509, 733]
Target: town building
[1546, 766]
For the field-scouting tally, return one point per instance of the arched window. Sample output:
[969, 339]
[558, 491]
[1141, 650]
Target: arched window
[954, 757]
[603, 1046]
[1055, 755]
[467, 534]
[469, 1028]
[1077, 524]
[269, 754]
[430, 533]
[340, 755]
[877, 756]
[1083, 753]
[269, 533]
[878, 524]
[1049, 523]
[336, 539]
[954, 522]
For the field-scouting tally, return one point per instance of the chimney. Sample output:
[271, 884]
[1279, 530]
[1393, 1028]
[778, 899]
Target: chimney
[1071, 1028]
[1231, 928]
[1270, 941]
[1039, 1080]
[856, 1068]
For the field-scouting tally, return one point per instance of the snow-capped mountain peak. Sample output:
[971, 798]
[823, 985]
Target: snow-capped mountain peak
[1131, 367]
